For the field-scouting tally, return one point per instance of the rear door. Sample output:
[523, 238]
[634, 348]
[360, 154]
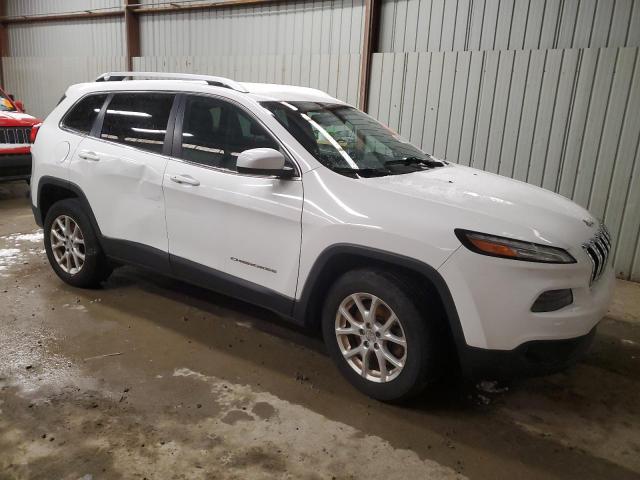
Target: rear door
[240, 227]
[121, 165]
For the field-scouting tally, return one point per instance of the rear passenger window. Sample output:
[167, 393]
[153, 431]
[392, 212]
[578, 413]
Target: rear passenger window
[80, 118]
[215, 132]
[138, 120]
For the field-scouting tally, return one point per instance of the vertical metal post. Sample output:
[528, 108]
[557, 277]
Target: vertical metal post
[369, 44]
[132, 32]
[4, 40]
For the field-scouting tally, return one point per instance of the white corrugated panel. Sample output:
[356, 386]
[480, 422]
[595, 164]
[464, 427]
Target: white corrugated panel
[566, 120]
[69, 38]
[40, 82]
[307, 26]
[439, 25]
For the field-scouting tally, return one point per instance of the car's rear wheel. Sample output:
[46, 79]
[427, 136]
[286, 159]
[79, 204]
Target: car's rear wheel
[381, 336]
[72, 246]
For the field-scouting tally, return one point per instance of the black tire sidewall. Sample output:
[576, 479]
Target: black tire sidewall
[421, 365]
[92, 271]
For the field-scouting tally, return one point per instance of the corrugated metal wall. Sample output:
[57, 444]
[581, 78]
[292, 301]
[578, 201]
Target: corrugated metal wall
[40, 81]
[523, 88]
[451, 25]
[78, 38]
[303, 26]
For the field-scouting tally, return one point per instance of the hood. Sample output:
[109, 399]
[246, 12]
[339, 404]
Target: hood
[497, 205]
[17, 119]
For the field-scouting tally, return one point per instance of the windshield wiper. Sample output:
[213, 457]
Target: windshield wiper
[364, 172]
[414, 161]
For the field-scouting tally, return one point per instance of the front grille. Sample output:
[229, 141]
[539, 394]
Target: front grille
[598, 249]
[15, 135]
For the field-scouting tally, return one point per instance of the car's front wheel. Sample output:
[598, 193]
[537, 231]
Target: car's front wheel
[378, 332]
[72, 246]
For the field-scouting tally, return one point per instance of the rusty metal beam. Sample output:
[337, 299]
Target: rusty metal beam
[369, 45]
[172, 8]
[135, 7]
[59, 17]
[132, 32]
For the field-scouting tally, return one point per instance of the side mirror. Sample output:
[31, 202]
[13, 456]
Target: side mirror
[262, 161]
[20, 105]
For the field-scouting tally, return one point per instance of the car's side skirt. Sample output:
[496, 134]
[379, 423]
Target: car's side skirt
[133, 253]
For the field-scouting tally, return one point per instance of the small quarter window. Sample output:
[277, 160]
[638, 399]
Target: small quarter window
[81, 117]
[138, 120]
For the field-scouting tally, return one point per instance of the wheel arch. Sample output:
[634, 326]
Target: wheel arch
[52, 190]
[338, 259]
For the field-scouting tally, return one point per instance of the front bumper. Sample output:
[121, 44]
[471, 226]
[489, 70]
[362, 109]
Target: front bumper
[493, 298]
[15, 166]
[499, 336]
[538, 357]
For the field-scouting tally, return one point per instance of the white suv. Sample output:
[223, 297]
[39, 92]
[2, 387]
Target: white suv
[293, 200]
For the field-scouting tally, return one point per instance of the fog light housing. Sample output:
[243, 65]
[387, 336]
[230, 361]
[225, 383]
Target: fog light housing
[552, 300]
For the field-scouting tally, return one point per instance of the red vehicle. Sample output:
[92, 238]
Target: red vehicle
[17, 133]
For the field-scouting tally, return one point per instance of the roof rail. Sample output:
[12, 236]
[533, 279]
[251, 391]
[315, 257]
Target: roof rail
[209, 79]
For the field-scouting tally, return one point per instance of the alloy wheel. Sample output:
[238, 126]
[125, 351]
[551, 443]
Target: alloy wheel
[67, 244]
[370, 337]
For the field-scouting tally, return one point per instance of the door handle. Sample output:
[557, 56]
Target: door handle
[87, 155]
[185, 180]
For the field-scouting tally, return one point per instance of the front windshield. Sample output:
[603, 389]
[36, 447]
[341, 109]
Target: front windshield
[347, 140]
[5, 104]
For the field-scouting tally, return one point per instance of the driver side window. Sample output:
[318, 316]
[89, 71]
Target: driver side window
[215, 132]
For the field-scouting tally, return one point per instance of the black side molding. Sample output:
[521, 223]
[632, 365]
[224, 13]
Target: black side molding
[231, 286]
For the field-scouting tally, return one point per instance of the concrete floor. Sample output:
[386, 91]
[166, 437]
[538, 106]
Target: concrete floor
[152, 378]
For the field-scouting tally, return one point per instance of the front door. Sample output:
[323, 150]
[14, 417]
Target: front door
[244, 229]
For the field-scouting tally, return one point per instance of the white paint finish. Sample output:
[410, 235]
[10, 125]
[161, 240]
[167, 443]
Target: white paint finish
[124, 188]
[267, 231]
[335, 208]
[232, 216]
[486, 324]
[261, 159]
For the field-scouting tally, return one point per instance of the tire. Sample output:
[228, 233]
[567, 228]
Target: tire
[421, 358]
[94, 267]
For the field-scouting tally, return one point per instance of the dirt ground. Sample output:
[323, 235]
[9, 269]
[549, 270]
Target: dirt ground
[152, 378]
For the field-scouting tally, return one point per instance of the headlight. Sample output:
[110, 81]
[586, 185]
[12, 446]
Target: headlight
[502, 247]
